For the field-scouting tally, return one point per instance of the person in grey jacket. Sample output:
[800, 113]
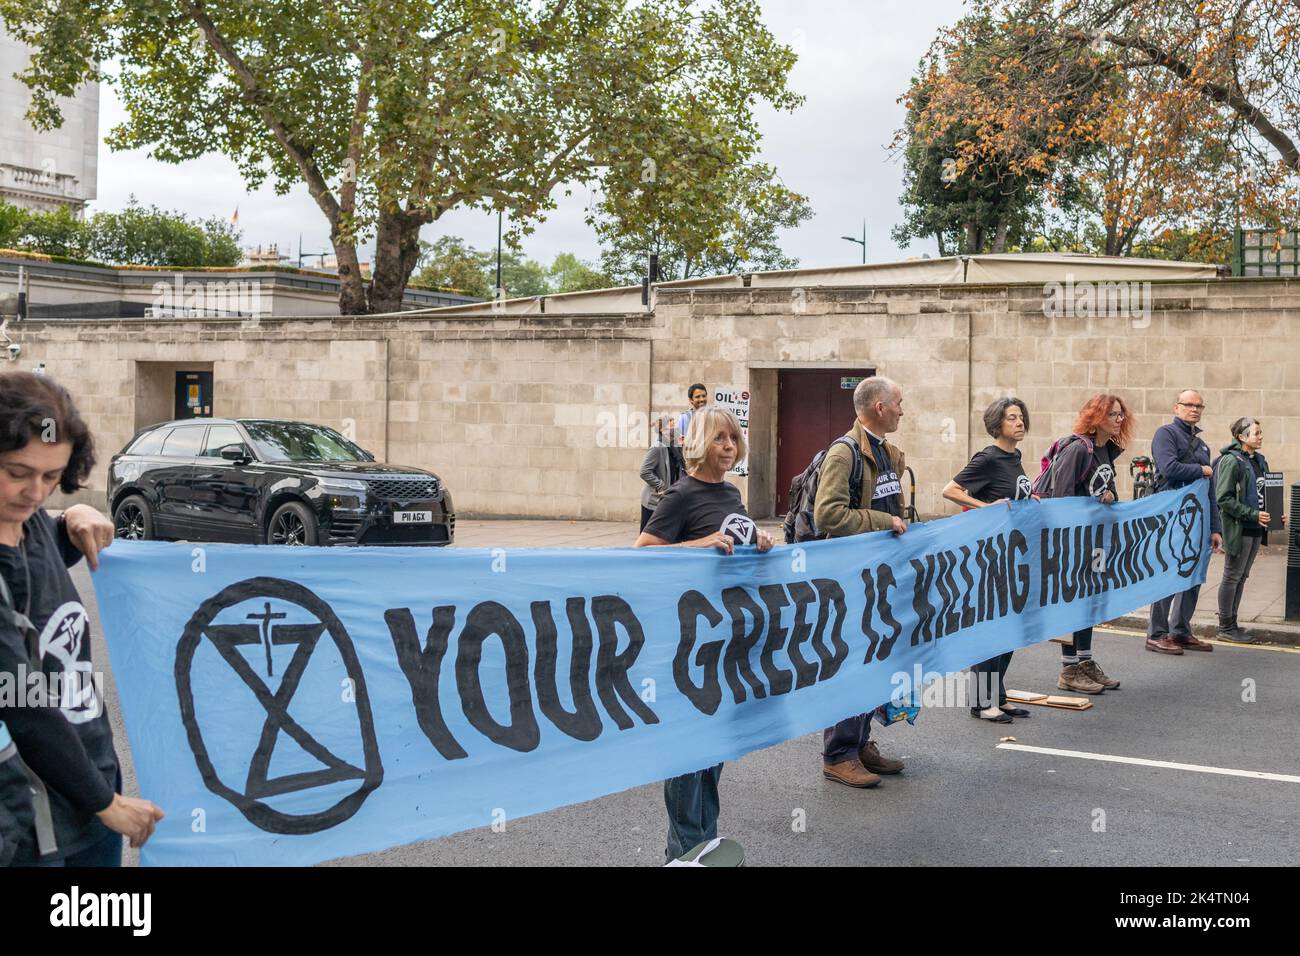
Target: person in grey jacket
[662, 467]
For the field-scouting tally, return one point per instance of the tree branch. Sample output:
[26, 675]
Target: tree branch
[1217, 92]
[257, 96]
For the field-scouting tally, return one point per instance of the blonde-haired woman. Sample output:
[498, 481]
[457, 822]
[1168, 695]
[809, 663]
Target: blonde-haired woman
[702, 510]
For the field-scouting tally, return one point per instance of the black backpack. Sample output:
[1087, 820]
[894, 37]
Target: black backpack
[24, 801]
[798, 524]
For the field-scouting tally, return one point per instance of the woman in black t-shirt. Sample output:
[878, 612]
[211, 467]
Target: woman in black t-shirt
[702, 510]
[991, 477]
[64, 738]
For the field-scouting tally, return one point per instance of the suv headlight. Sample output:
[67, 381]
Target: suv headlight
[343, 487]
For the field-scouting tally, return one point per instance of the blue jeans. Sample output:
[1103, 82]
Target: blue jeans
[692, 802]
[104, 852]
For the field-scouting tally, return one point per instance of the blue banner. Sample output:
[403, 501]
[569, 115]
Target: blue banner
[291, 706]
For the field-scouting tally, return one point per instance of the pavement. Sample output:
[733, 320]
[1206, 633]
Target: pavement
[1263, 603]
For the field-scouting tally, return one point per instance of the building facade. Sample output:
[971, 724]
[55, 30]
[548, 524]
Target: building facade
[42, 171]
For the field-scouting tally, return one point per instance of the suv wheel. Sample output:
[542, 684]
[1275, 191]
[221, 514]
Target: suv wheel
[132, 519]
[292, 524]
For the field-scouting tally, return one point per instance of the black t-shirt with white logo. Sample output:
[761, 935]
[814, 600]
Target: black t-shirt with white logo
[79, 769]
[694, 509]
[888, 493]
[993, 474]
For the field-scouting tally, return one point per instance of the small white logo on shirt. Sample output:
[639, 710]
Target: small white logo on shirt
[63, 638]
[1101, 479]
[740, 527]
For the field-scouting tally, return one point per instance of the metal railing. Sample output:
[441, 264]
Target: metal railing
[1266, 252]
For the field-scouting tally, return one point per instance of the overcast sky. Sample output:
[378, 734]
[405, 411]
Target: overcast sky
[855, 59]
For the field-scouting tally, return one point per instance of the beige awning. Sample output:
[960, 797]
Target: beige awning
[1005, 269]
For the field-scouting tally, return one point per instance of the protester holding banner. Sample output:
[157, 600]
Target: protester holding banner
[698, 396]
[1082, 464]
[663, 466]
[63, 735]
[849, 756]
[702, 510]
[1181, 458]
[994, 476]
[1239, 474]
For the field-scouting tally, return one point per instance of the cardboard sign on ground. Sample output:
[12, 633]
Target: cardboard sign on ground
[1045, 700]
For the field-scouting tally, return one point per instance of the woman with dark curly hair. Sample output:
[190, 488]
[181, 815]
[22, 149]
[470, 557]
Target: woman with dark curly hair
[1083, 464]
[994, 476]
[62, 735]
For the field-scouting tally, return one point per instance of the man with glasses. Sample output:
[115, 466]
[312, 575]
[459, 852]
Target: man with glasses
[1181, 458]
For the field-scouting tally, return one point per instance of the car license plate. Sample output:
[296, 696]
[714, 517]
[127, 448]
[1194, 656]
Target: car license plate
[412, 517]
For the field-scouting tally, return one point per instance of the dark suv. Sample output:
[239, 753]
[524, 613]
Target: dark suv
[273, 482]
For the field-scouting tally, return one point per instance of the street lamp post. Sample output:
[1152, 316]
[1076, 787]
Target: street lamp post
[862, 242]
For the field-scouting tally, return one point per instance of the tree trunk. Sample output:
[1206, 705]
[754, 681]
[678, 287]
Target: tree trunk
[1112, 235]
[352, 291]
[1000, 235]
[972, 244]
[397, 251]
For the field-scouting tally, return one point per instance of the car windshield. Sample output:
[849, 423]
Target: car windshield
[296, 441]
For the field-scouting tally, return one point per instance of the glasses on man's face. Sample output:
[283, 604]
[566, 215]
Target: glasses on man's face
[1199, 408]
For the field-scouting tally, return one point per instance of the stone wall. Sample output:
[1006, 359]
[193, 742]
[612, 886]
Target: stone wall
[546, 415]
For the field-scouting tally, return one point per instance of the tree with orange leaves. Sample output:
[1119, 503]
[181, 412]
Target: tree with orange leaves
[1168, 114]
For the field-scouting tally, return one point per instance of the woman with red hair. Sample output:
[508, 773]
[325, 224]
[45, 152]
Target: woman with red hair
[1083, 463]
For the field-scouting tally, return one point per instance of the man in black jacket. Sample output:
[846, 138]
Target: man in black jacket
[1181, 458]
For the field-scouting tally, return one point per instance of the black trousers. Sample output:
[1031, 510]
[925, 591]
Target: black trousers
[646, 514]
[988, 687]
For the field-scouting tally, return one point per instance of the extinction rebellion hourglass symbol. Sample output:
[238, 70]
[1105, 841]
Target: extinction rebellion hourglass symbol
[287, 615]
[1186, 535]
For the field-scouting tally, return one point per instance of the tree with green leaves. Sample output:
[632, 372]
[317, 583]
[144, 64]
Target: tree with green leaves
[392, 113]
[151, 237]
[55, 233]
[737, 230]
[448, 264]
[135, 236]
[568, 273]
[12, 220]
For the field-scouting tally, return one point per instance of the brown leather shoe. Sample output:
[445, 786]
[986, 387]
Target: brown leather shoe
[1164, 646]
[851, 773]
[1074, 677]
[871, 759]
[1093, 670]
[1192, 643]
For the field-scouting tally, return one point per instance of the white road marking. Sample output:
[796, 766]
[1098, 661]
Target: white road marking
[1143, 762]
